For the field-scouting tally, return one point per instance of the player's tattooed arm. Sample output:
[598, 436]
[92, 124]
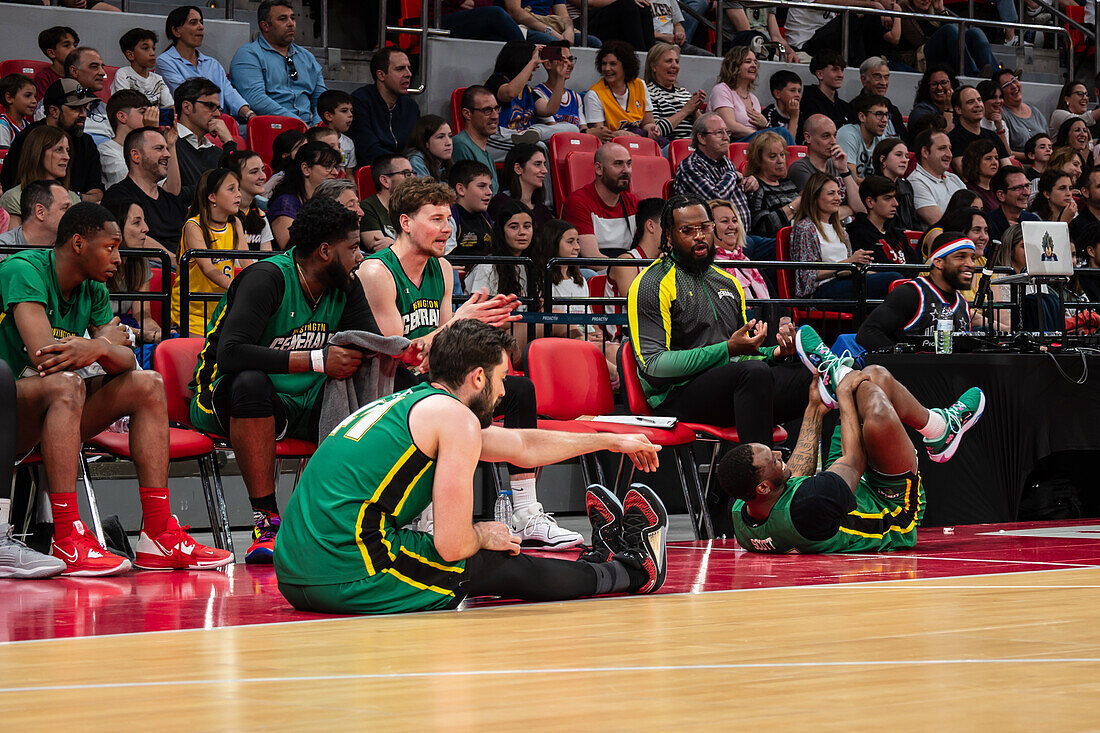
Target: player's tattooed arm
[803, 461]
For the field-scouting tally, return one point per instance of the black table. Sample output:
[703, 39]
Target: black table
[1031, 411]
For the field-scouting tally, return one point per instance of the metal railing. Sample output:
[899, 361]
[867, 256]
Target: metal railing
[184, 279]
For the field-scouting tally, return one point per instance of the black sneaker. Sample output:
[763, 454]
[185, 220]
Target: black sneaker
[605, 512]
[645, 529]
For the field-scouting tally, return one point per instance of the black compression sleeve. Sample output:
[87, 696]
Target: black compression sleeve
[877, 332]
[819, 504]
[357, 314]
[255, 295]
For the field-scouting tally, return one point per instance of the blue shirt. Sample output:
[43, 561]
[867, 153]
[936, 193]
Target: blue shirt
[263, 75]
[176, 70]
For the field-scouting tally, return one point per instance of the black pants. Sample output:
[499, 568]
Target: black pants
[250, 394]
[749, 395]
[623, 20]
[8, 429]
[527, 578]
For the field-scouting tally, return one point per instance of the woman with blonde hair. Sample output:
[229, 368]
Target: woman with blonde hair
[733, 100]
[46, 156]
[674, 107]
[776, 199]
[729, 240]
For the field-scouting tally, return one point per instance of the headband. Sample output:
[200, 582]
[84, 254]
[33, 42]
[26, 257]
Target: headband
[953, 246]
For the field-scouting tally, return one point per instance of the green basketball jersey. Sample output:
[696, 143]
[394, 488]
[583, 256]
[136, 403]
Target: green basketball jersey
[31, 277]
[342, 524]
[419, 305]
[294, 326]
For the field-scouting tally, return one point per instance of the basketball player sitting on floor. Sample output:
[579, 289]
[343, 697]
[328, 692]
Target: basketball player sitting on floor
[869, 497]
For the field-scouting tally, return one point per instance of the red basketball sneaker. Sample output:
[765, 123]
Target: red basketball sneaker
[174, 549]
[84, 556]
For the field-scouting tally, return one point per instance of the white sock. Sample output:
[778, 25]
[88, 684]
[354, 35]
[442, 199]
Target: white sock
[841, 372]
[523, 493]
[5, 510]
[935, 427]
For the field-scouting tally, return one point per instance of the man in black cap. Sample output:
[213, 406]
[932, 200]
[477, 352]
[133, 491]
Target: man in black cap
[66, 106]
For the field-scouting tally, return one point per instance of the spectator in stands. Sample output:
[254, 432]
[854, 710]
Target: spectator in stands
[127, 110]
[1073, 102]
[668, 27]
[376, 231]
[256, 381]
[785, 111]
[481, 114]
[1054, 201]
[570, 108]
[85, 65]
[45, 157]
[1022, 120]
[1089, 213]
[979, 164]
[646, 246]
[699, 357]
[603, 210]
[1074, 134]
[313, 163]
[139, 46]
[709, 173]
[276, 76]
[546, 21]
[150, 158]
[198, 114]
[776, 199]
[993, 110]
[59, 408]
[626, 21]
[525, 174]
[891, 159]
[818, 236]
[249, 169]
[1087, 244]
[478, 20]
[182, 60]
[1066, 160]
[41, 206]
[814, 32]
[969, 112]
[972, 223]
[933, 98]
[938, 41]
[334, 107]
[730, 239]
[430, 147]
[877, 230]
[56, 43]
[513, 231]
[343, 192]
[134, 274]
[519, 107]
[214, 223]
[932, 179]
[823, 155]
[874, 74]
[18, 101]
[1037, 152]
[328, 136]
[383, 114]
[824, 98]
[733, 100]
[858, 141]
[674, 107]
[965, 198]
[283, 149]
[1012, 189]
[619, 101]
[471, 229]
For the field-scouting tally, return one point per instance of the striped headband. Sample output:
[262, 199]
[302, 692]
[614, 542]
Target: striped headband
[953, 246]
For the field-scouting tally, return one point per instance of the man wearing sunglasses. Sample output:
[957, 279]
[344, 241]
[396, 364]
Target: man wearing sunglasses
[275, 75]
[198, 115]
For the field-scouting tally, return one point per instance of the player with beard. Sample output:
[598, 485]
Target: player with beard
[916, 305]
[698, 356]
[343, 549]
[260, 374]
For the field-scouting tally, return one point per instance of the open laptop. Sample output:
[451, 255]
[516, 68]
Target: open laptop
[1046, 250]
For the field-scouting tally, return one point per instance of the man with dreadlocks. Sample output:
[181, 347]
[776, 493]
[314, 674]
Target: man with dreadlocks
[699, 357]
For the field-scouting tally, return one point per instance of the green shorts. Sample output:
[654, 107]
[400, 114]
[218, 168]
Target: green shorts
[295, 417]
[890, 488]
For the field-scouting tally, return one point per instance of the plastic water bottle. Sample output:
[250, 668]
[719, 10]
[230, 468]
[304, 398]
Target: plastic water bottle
[502, 511]
[944, 335]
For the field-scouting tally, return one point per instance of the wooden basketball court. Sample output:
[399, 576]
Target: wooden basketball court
[990, 627]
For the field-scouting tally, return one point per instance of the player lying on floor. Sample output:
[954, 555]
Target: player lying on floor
[869, 497]
[342, 547]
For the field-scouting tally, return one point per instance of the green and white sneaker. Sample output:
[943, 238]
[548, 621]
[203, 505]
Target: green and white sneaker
[959, 418]
[820, 360]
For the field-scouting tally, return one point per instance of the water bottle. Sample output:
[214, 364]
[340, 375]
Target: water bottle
[502, 511]
[944, 328]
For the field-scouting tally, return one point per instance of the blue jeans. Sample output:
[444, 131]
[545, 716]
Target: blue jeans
[1006, 10]
[482, 24]
[783, 132]
[876, 287]
[543, 37]
[943, 47]
[690, 23]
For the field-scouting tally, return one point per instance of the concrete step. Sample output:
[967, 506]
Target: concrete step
[1044, 65]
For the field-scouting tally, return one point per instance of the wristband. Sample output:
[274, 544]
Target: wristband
[845, 174]
[317, 359]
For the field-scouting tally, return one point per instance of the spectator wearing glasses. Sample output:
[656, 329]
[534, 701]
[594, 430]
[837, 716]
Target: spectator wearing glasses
[313, 163]
[859, 140]
[375, 228]
[276, 76]
[570, 108]
[674, 107]
[969, 113]
[383, 113]
[481, 114]
[1073, 102]
[874, 74]
[1012, 190]
[1021, 119]
[198, 114]
[709, 173]
[182, 60]
[933, 98]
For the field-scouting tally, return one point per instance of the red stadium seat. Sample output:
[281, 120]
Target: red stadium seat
[638, 145]
[458, 123]
[912, 163]
[26, 67]
[739, 154]
[795, 153]
[648, 176]
[579, 170]
[155, 283]
[263, 129]
[561, 145]
[785, 285]
[365, 183]
[234, 130]
[914, 239]
[678, 150]
[666, 192]
[105, 92]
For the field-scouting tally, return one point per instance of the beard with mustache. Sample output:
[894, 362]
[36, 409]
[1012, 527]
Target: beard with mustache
[483, 405]
[693, 264]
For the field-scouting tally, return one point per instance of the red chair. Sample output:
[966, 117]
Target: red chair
[263, 129]
[785, 283]
[156, 308]
[635, 397]
[666, 192]
[571, 379]
[795, 153]
[365, 183]
[561, 145]
[914, 238]
[649, 176]
[579, 170]
[639, 146]
[26, 67]
[678, 151]
[912, 163]
[458, 122]
[739, 154]
[105, 92]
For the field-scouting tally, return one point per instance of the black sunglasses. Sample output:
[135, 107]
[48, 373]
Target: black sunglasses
[291, 70]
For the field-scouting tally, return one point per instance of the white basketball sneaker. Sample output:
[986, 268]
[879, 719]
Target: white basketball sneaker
[540, 531]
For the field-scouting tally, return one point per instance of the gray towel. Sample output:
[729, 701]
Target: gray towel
[374, 378]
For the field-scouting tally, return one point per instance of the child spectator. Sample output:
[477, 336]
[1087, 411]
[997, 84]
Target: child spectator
[249, 167]
[127, 110]
[56, 44]
[786, 89]
[334, 109]
[524, 175]
[430, 148]
[283, 149]
[471, 230]
[18, 100]
[313, 163]
[139, 46]
[558, 72]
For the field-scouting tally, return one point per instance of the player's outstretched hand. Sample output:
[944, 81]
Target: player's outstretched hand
[785, 337]
[641, 452]
[497, 536]
[341, 363]
[747, 339]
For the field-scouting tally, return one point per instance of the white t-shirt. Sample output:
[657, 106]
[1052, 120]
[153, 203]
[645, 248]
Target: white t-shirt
[568, 288]
[593, 108]
[113, 163]
[931, 191]
[347, 150]
[802, 24]
[850, 139]
[485, 276]
[152, 86]
[833, 248]
[666, 14]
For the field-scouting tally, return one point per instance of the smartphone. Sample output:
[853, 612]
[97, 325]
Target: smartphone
[550, 53]
[167, 116]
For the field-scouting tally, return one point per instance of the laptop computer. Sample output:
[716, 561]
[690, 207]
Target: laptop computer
[1047, 252]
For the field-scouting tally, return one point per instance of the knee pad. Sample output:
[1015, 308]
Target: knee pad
[252, 395]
